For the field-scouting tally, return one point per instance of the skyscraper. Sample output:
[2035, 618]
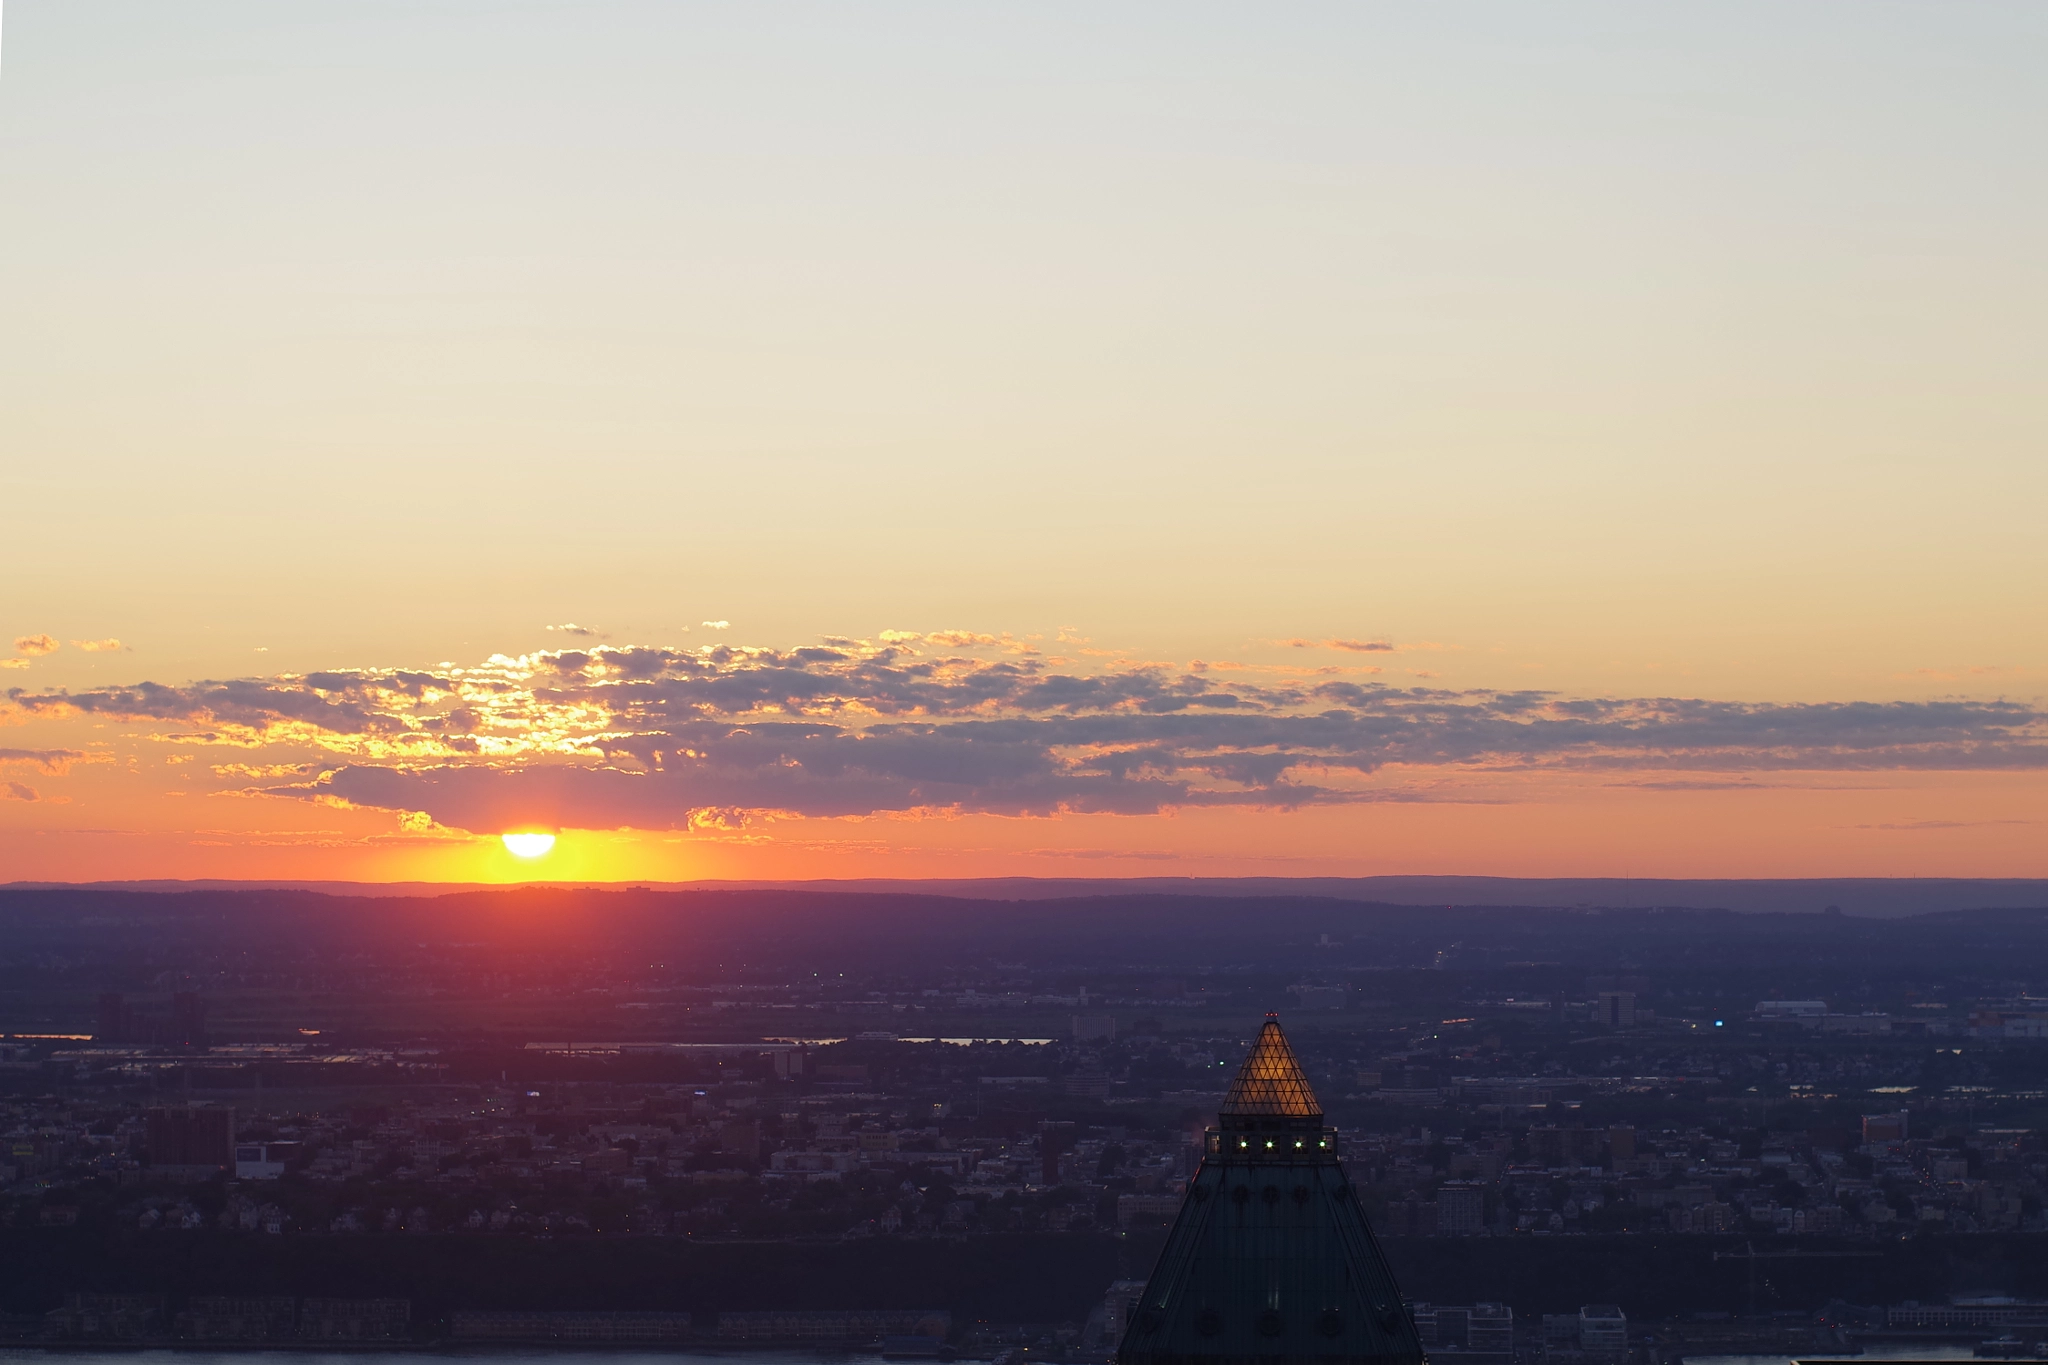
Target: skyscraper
[1270, 1261]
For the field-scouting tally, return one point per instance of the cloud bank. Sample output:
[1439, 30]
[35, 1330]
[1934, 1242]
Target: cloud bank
[666, 738]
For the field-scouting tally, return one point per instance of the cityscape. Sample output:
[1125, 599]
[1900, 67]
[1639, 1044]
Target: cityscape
[1010, 1126]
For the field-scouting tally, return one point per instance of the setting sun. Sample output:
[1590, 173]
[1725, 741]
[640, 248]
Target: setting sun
[528, 845]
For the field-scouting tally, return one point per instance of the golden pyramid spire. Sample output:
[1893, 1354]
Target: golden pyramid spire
[1270, 1083]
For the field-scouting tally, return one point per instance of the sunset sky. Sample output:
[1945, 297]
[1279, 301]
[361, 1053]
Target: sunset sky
[953, 440]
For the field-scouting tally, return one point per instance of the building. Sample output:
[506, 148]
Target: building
[596, 1328]
[106, 1317]
[191, 1136]
[1480, 1329]
[1491, 1329]
[832, 1326]
[1805, 1013]
[1603, 1331]
[355, 1320]
[1560, 1336]
[1460, 1209]
[1118, 1306]
[263, 1160]
[1094, 1028]
[212, 1318]
[1973, 1313]
[1440, 1326]
[1617, 1009]
[1270, 1256]
[1885, 1127]
[113, 1022]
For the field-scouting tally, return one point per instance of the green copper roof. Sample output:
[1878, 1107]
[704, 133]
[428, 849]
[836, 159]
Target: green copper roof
[1270, 1261]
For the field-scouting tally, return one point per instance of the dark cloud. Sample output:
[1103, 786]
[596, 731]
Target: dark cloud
[255, 704]
[651, 737]
[18, 791]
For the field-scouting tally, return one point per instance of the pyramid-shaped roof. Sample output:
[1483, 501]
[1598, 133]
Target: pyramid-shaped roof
[1270, 1083]
[1271, 1260]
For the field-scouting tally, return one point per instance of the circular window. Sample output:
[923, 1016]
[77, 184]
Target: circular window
[1209, 1323]
[1241, 1194]
[1330, 1323]
[1271, 1194]
[1301, 1194]
[1271, 1324]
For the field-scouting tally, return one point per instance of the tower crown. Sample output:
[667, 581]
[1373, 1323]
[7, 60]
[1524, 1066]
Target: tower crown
[1270, 1086]
[1270, 1261]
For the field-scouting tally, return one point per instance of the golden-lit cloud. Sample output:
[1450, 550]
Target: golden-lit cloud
[263, 770]
[35, 646]
[109, 646]
[714, 737]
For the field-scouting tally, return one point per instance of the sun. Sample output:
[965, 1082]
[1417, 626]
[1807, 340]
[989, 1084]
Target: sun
[527, 844]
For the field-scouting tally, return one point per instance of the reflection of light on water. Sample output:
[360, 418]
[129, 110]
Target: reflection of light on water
[956, 1042]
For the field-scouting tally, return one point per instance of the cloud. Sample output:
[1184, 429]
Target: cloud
[571, 628]
[251, 771]
[1973, 670]
[1353, 646]
[717, 625]
[707, 738]
[18, 791]
[1940, 824]
[1703, 784]
[1140, 855]
[100, 646]
[35, 646]
[13, 663]
[54, 762]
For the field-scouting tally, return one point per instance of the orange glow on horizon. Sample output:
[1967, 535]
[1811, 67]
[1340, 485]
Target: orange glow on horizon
[1523, 824]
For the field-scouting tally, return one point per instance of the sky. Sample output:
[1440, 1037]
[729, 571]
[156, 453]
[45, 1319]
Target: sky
[953, 440]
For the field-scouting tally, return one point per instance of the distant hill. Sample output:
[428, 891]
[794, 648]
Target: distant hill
[1871, 897]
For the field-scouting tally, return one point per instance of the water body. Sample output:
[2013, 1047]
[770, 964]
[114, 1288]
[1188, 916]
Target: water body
[1877, 1355]
[538, 1355]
